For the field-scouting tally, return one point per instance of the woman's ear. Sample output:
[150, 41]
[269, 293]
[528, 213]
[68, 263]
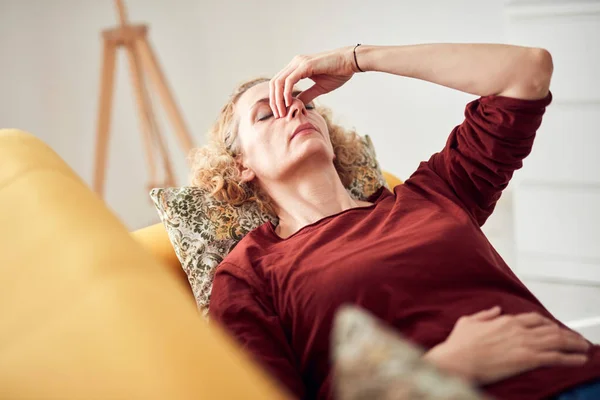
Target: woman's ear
[247, 174]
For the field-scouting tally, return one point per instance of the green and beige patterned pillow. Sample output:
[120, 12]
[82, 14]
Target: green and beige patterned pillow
[204, 230]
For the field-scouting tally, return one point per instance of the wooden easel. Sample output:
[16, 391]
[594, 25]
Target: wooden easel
[134, 38]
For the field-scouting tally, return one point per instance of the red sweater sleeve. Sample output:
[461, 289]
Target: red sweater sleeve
[239, 305]
[483, 152]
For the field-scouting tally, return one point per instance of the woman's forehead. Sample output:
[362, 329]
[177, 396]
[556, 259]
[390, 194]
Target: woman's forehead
[252, 95]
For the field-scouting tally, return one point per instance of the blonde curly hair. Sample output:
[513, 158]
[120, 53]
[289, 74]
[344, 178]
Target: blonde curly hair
[215, 166]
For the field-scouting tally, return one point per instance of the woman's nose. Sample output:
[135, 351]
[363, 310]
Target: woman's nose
[296, 108]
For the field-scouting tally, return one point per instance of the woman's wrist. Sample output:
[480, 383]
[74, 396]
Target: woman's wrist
[364, 57]
[447, 359]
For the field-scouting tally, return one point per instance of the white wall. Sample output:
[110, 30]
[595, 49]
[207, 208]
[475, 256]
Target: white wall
[556, 197]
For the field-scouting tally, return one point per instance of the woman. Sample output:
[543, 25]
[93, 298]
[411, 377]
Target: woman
[416, 258]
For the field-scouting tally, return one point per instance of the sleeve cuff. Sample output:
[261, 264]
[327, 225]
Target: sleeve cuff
[512, 102]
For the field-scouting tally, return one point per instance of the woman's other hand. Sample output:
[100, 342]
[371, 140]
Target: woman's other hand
[328, 70]
[487, 347]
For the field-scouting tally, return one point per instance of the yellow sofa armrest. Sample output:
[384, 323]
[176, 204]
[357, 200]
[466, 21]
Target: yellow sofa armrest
[86, 312]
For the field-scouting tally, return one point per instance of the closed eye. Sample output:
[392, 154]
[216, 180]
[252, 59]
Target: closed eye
[265, 117]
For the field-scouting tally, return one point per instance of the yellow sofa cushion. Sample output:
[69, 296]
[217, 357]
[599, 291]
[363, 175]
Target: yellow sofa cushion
[155, 240]
[391, 180]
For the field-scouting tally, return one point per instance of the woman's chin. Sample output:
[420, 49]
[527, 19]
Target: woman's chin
[312, 153]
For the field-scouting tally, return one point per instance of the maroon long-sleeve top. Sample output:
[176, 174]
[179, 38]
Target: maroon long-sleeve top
[416, 258]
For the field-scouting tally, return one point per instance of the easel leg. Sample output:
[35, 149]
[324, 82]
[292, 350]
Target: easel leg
[155, 136]
[104, 114]
[159, 81]
[145, 113]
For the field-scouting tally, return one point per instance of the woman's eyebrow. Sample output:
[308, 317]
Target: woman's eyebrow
[266, 99]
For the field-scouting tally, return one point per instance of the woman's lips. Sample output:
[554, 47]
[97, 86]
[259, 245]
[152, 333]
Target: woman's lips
[303, 132]
[303, 129]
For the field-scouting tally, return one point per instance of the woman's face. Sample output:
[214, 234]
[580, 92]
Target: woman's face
[274, 149]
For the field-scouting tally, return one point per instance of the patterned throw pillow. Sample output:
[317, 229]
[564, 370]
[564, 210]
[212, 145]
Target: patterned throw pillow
[203, 230]
[372, 361]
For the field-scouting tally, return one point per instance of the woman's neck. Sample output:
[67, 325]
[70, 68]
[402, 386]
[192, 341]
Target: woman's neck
[309, 196]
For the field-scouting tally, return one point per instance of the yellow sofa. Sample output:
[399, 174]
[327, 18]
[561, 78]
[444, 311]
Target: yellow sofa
[90, 311]
[85, 311]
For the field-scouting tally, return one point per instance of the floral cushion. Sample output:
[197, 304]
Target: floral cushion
[204, 230]
[373, 361]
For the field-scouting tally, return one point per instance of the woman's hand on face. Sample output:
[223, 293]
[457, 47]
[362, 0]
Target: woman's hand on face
[328, 70]
[486, 347]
